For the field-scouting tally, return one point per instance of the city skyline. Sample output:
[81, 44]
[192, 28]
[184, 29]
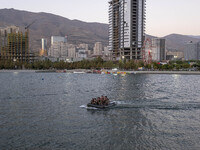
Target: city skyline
[163, 17]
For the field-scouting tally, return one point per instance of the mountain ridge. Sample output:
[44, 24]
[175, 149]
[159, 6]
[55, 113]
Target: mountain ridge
[47, 25]
[78, 31]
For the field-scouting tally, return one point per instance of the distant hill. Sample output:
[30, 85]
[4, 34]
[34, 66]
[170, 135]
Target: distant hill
[47, 25]
[197, 37]
[177, 41]
[77, 31]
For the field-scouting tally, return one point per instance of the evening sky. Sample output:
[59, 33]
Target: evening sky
[163, 16]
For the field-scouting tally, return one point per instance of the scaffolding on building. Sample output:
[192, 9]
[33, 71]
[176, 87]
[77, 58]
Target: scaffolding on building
[116, 26]
[14, 45]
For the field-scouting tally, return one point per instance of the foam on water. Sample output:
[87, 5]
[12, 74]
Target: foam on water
[85, 107]
[121, 102]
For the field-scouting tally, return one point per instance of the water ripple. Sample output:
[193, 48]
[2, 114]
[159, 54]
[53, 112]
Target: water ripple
[152, 112]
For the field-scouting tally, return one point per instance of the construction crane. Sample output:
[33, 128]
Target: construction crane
[27, 27]
[27, 41]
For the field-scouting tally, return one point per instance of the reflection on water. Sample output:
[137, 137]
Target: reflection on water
[48, 111]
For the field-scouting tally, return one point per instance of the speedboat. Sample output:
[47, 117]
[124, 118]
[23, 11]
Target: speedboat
[111, 104]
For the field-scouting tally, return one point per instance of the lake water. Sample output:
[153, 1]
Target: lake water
[48, 111]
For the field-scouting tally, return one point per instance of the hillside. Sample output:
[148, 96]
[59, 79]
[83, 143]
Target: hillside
[47, 25]
[197, 37]
[77, 31]
[177, 41]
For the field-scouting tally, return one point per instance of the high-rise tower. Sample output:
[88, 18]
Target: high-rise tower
[126, 28]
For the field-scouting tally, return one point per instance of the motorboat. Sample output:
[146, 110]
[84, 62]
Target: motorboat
[111, 104]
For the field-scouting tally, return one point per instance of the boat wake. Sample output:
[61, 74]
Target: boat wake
[121, 102]
[158, 106]
[85, 107]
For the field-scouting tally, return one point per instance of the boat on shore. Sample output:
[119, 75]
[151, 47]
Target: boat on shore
[111, 104]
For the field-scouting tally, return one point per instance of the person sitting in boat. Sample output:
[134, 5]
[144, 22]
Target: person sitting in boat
[103, 100]
[98, 101]
[95, 101]
[92, 101]
[106, 100]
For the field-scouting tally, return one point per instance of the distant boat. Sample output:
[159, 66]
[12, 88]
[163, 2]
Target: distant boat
[78, 72]
[115, 69]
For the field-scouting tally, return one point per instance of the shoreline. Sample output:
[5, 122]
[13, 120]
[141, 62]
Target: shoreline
[111, 71]
[169, 72]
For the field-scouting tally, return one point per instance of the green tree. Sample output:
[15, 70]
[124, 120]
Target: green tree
[141, 63]
[165, 67]
[186, 65]
[121, 64]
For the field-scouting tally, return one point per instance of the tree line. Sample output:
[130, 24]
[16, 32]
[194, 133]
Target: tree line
[99, 63]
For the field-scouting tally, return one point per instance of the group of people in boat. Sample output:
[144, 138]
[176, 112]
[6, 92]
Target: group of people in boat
[103, 100]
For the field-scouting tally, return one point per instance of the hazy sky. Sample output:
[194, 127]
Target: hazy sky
[163, 16]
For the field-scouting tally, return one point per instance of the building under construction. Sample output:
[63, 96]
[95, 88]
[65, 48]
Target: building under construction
[14, 45]
[126, 28]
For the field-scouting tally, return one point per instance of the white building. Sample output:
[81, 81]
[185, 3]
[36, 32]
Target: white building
[106, 51]
[98, 48]
[55, 39]
[126, 28]
[84, 46]
[82, 53]
[71, 51]
[44, 44]
[43, 51]
[58, 49]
